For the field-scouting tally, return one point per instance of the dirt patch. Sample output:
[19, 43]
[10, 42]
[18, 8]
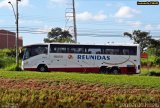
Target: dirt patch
[71, 86]
[67, 94]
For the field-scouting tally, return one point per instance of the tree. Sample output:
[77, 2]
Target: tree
[140, 37]
[155, 44]
[58, 35]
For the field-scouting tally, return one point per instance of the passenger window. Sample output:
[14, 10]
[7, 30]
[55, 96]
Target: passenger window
[61, 50]
[35, 50]
[41, 50]
[112, 51]
[72, 50]
[75, 49]
[125, 51]
[116, 52]
[27, 53]
[52, 50]
[94, 51]
[133, 51]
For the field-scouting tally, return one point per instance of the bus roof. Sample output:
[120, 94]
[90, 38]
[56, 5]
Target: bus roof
[83, 44]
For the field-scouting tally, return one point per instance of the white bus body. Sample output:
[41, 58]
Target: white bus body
[82, 58]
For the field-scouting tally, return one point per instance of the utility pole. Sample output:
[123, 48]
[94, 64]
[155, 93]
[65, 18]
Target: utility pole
[16, 14]
[17, 29]
[74, 21]
[70, 15]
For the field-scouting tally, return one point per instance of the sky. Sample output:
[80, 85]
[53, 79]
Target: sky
[98, 21]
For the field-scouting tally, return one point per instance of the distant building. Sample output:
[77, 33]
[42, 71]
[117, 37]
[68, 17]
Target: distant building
[8, 39]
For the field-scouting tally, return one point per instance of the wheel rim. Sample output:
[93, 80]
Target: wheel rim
[42, 69]
[115, 71]
[104, 71]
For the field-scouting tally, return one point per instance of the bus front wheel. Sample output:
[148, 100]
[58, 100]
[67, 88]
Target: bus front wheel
[42, 68]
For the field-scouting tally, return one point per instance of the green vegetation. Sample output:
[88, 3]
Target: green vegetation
[61, 89]
[153, 59]
[59, 35]
[58, 99]
[122, 80]
[7, 60]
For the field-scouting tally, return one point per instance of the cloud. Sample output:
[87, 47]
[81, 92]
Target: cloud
[4, 3]
[58, 2]
[126, 12]
[131, 23]
[119, 20]
[158, 26]
[45, 29]
[108, 4]
[148, 27]
[87, 16]
[24, 3]
[28, 22]
[135, 23]
[2, 21]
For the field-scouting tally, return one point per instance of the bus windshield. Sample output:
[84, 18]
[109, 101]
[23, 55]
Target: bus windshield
[31, 51]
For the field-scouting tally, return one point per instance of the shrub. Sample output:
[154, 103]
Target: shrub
[2, 63]
[157, 61]
[13, 67]
[153, 73]
[7, 52]
[7, 60]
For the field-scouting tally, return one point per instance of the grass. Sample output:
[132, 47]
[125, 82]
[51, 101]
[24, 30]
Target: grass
[46, 97]
[122, 80]
[148, 70]
[57, 99]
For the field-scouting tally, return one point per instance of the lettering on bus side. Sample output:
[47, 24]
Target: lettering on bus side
[92, 57]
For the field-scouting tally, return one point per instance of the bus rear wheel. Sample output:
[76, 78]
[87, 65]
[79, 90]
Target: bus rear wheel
[104, 70]
[42, 68]
[115, 71]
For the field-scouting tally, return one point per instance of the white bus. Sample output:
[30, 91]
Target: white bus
[114, 59]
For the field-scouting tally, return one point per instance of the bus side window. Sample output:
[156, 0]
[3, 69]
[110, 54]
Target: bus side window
[52, 50]
[125, 52]
[133, 51]
[61, 50]
[80, 50]
[116, 51]
[71, 50]
[98, 52]
[27, 54]
[107, 51]
[41, 50]
[94, 50]
[45, 51]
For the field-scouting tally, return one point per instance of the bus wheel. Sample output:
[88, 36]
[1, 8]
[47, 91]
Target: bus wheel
[42, 68]
[115, 71]
[104, 70]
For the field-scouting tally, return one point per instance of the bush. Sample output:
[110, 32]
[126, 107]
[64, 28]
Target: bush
[2, 65]
[157, 61]
[153, 73]
[7, 53]
[13, 67]
[7, 60]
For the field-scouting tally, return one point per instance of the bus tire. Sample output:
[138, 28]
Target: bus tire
[115, 70]
[104, 70]
[42, 68]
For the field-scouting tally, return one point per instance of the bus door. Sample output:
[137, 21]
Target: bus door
[57, 56]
